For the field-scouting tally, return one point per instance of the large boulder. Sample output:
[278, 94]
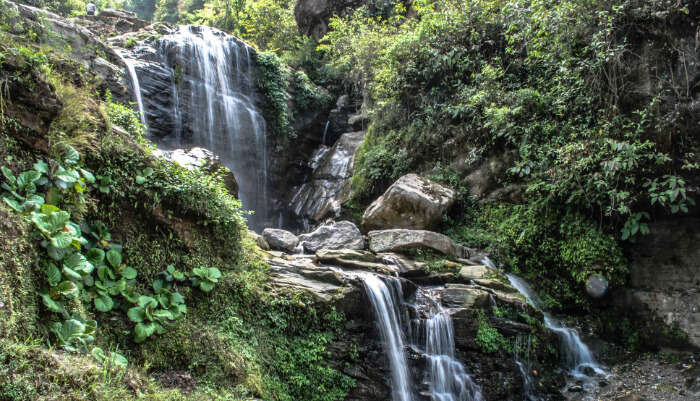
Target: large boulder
[340, 235]
[411, 202]
[400, 240]
[280, 239]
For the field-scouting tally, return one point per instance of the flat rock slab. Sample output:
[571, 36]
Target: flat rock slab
[401, 240]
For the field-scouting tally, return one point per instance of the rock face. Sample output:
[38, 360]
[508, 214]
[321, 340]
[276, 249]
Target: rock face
[280, 239]
[665, 276]
[411, 202]
[323, 195]
[340, 235]
[85, 47]
[404, 240]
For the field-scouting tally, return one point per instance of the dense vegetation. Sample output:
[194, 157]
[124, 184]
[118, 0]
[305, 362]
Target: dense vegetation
[131, 266]
[547, 91]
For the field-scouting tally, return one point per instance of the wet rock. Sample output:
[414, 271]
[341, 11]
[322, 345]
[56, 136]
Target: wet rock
[328, 187]
[412, 202]
[280, 239]
[354, 259]
[468, 273]
[85, 47]
[340, 235]
[463, 296]
[259, 240]
[399, 240]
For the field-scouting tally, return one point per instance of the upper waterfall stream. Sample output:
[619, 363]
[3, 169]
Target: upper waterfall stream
[212, 98]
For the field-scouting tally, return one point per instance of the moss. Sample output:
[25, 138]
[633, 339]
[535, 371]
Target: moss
[18, 277]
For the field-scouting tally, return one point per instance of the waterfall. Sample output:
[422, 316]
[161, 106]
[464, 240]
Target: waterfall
[213, 80]
[325, 133]
[388, 317]
[135, 86]
[577, 355]
[447, 377]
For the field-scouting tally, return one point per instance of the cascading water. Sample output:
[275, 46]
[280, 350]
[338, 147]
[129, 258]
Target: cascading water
[206, 77]
[446, 377]
[388, 318]
[135, 86]
[577, 355]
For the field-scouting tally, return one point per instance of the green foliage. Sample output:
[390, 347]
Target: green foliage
[489, 339]
[272, 80]
[89, 269]
[550, 247]
[125, 117]
[205, 278]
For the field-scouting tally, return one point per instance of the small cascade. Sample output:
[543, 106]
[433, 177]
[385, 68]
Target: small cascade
[135, 86]
[431, 334]
[447, 377]
[578, 357]
[325, 133]
[521, 351]
[214, 107]
[388, 317]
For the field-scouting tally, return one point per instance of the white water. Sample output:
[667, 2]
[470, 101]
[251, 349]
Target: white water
[447, 377]
[577, 355]
[135, 86]
[388, 319]
[325, 133]
[215, 75]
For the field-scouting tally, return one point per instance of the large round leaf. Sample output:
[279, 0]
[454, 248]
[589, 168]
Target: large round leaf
[114, 258]
[104, 304]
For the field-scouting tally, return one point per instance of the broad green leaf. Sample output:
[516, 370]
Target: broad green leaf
[25, 181]
[118, 360]
[206, 286]
[53, 306]
[13, 204]
[89, 177]
[136, 314]
[95, 256]
[48, 209]
[41, 167]
[68, 289]
[70, 155]
[163, 314]
[62, 240]
[53, 274]
[104, 304]
[75, 261]
[98, 354]
[147, 172]
[71, 274]
[140, 180]
[114, 258]
[9, 176]
[176, 298]
[129, 273]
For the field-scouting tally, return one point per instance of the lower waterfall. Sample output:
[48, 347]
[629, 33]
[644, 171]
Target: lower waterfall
[388, 319]
[446, 377]
[577, 355]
